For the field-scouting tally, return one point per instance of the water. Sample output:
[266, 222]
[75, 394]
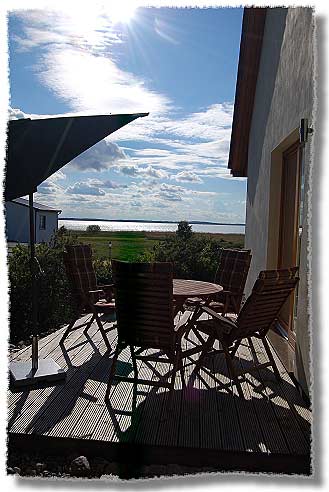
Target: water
[112, 225]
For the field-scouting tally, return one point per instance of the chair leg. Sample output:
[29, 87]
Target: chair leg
[112, 371]
[207, 345]
[232, 370]
[173, 377]
[101, 329]
[181, 369]
[271, 358]
[133, 359]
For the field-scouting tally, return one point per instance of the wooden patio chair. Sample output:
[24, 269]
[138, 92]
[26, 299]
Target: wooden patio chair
[89, 297]
[270, 292]
[231, 274]
[145, 319]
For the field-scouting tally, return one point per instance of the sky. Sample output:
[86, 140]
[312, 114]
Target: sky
[178, 64]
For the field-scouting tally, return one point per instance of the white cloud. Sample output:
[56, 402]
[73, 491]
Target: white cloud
[165, 31]
[101, 156]
[16, 114]
[77, 63]
[89, 82]
[171, 192]
[108, 183]
[187, 177]
[142, 172]
[127, 170]
[153, 173]
[85, 188]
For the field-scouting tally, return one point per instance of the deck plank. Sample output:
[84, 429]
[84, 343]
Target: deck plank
[51, 349]
[189, 429]
[251, 427]
[287, 419]
[271, 420]
[274, 441]
[37, 405]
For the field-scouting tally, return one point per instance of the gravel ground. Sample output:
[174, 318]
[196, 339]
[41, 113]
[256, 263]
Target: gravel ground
[51, 466]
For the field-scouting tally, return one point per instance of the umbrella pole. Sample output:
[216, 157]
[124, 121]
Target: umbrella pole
[34, 370]
[33, 287]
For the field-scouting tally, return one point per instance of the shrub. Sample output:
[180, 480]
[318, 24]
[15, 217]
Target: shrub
[193, 256]
[93, 228]
[184, 230]
[103, 270]
[56, 305]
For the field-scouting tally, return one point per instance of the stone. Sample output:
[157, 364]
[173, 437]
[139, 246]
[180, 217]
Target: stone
[80, 467]
[40, 467]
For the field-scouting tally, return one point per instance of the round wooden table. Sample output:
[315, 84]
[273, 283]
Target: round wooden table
[183, 289]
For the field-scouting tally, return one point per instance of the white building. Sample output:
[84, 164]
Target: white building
[17, 221]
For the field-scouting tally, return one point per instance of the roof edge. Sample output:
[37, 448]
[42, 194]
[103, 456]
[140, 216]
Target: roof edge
[250, 52]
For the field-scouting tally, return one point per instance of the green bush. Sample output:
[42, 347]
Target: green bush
[193, 256]
[103, 270]
[56, 305]
[93, 228]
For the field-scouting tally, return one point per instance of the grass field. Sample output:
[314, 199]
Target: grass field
[127, 246]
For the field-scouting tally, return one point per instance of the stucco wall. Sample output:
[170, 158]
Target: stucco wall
[284, 95]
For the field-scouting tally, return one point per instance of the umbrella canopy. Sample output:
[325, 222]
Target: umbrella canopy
[39, 148]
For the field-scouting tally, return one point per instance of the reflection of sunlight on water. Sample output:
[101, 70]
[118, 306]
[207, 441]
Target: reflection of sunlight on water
[81, 225]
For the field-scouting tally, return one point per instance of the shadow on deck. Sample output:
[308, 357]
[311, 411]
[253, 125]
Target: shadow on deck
[207, 425]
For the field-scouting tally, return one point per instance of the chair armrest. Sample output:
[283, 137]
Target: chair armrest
[108, 291]
[225, 323]
[94, 295]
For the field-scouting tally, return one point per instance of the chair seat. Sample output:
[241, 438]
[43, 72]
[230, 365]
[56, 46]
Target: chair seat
[208, 326]
[104, 306]
[193, 301]
[217, 306]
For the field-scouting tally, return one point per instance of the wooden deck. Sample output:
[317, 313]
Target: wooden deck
[208, 424]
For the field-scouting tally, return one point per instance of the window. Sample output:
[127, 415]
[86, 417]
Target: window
[42, 222]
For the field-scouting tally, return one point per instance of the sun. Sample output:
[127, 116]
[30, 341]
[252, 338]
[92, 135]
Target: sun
[121, 12]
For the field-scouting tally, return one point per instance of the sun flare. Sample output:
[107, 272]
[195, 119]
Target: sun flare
[121, 12]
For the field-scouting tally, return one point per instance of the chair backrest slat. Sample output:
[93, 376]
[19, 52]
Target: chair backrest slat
[79, 269]
[232, 272]
[144, 303]
[270, 292]
[233, 269]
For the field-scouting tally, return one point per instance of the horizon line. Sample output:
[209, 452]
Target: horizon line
[152, 221]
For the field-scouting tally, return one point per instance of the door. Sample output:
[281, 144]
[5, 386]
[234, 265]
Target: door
[288, 254]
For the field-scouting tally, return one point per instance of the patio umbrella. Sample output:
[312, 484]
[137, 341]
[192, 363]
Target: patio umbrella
[36, 150]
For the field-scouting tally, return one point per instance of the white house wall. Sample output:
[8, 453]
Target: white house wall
[44, 235]
[17, 222]
[284, 95]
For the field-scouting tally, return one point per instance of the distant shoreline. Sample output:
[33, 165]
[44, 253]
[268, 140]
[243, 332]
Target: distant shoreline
[152, 221]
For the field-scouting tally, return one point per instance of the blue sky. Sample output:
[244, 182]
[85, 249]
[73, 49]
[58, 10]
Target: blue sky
[179, 64]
